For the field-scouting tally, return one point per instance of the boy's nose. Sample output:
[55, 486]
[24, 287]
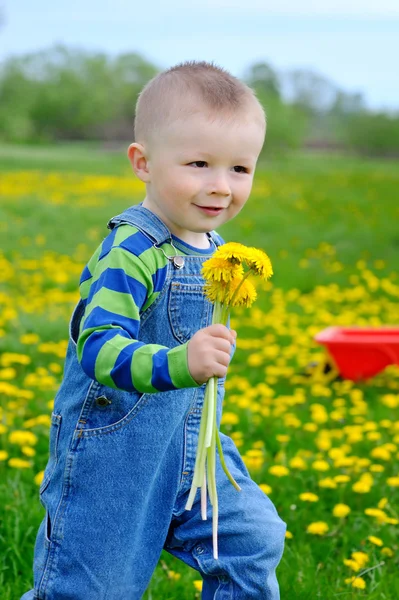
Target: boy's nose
[219, 185]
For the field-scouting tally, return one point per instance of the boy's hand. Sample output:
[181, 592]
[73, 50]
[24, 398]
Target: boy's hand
[209, 352]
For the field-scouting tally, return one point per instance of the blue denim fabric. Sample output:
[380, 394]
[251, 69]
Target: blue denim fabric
[120, 470]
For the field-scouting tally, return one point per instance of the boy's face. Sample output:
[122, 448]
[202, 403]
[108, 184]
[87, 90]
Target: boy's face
[200, 173]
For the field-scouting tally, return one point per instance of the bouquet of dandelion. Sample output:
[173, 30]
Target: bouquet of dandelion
[227, 285]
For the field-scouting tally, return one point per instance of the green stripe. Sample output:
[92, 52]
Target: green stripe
[119, 258]
[141, 369]
[178, 367]
[150, 301]
[122, 233]
[83, 337]
[106, 359]
[116, 302]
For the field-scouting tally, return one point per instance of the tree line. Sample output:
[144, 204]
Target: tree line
[68, 94]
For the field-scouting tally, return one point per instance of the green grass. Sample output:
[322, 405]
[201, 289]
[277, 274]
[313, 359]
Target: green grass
[316, 216]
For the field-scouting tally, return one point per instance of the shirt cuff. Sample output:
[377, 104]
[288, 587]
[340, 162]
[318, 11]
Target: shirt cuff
[178, 367]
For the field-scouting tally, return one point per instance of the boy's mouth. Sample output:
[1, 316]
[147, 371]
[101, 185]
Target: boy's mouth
[211, 210]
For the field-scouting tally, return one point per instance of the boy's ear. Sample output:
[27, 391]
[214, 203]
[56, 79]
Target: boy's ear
[139, 161]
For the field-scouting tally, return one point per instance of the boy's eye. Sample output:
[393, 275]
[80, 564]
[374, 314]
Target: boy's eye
[202, 163]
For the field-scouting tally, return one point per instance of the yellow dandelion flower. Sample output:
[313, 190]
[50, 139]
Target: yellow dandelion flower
[356, 582]
[317, 528]
[308, 497]
[288, 535]
[320, 465]
[19, 463]
[23, 438]
[279, 470]
[361, 558]
[235, 293]
[352, 564]
[3, 455]
[297, 463]
[265, 488]
[234, 252]
[375, 540]
[38, 478]
[393, 481]
[382, 503]
[328, 482]
[198, 584]
[220, 269]
[259, 263]
[341, 510]
[342, 478]
[387, 552]
[361, 487]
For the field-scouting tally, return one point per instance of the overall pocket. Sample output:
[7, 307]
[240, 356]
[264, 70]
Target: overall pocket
[53, 451]
[189, 310]
[107, 409]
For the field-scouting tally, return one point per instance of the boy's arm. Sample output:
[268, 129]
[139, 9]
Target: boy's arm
[107, 346]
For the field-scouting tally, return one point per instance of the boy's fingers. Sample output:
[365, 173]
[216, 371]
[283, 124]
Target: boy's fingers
[221, 331]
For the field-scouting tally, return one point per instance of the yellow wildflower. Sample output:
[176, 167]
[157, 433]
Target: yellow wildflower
[234, 252]
[393, 481]
[320, 465]
[259, 263]
[356, 582]
[361, 558]
[279, 470]
[198, 584]
[361, 487]
[375, 540]
[23, 438]
[220, 269]
[317, 528]
[265, 488]
[387, 552]
[297, 463]
[308, 497]
[39, 478]
[289, 535]
[341, 510]
[19, 463]
[328, 482]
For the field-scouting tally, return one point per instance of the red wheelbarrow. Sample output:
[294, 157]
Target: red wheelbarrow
[361, 352]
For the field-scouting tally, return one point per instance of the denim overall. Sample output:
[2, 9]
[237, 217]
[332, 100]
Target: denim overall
[120, 470]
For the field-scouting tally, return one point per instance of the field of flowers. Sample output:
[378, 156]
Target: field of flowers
[325, 449]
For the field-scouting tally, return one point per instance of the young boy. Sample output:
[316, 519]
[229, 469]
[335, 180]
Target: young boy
[141, 347]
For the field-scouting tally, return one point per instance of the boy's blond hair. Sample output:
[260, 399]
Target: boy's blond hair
[188, 88]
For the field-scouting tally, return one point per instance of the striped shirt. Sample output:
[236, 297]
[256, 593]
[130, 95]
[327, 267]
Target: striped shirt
[121, 280]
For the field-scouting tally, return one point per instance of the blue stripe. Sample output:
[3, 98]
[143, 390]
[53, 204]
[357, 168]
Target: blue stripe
[158, 278]
[118, 281]
[107, 244]
[136, 243]
[121, 372]
[85, 275]
[160, 372]
[100, 317]
[92, 347]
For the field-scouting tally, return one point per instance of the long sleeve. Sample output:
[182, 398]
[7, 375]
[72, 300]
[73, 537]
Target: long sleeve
[107, 347]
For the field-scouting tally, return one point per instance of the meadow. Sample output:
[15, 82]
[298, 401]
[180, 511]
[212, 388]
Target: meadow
[325, 449]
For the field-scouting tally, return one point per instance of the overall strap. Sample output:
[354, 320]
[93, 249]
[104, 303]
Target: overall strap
[145, 220]
[150, 224]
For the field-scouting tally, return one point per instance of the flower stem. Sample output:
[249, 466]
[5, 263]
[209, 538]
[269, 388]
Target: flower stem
[238, 287]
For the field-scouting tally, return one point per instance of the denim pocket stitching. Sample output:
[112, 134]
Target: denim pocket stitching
[139, 405]
[53, 450]
[178, 292]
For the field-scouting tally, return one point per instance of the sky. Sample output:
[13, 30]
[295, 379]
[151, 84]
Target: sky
[354, 43]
